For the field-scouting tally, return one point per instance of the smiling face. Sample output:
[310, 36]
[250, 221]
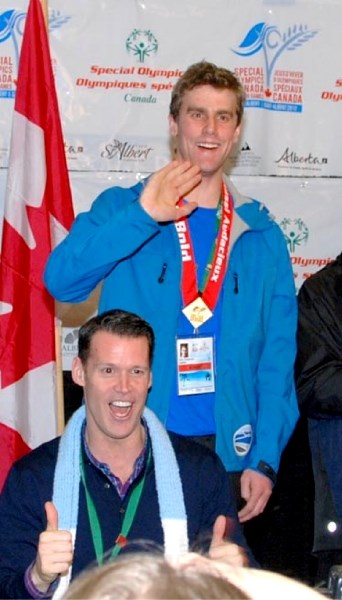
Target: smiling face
[206, 128]
[116, 377]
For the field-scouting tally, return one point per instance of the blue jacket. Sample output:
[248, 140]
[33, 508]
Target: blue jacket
[119, 243]
[206, 489]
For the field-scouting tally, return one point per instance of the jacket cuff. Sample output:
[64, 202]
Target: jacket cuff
[33, 591]
[267, 470]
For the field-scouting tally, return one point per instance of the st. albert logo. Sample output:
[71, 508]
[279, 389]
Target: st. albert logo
[126, 151]
[267, 87]
[142, 44]
[12, 23]
[296, 233]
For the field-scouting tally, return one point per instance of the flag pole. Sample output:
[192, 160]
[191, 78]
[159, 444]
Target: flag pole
[60, 412]
[45, 13]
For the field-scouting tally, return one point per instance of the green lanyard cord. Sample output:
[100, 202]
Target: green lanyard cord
[130, 512]
[213, 247]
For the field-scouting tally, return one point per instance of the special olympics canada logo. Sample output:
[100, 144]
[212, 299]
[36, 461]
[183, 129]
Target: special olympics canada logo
[141, 43]
[295, 231]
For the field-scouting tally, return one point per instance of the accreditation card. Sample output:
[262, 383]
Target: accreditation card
[195, 365]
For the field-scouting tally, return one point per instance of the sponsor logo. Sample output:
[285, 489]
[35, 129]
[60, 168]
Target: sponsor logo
[280, 90]
[69, 347]
[295, 231]
[11, 29]
[72, 151]
[184, 245]
[126, 151]
[290, 159]
[244, 158]
[242, 440]
[296, 234]
[141, 43]
[70, 338]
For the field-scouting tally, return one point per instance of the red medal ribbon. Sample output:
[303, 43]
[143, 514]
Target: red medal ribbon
[217, 269]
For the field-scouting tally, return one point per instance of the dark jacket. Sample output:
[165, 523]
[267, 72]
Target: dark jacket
[29, 485]
[319, 339]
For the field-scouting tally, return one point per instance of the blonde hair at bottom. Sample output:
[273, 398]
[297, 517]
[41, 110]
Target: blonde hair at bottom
[143, 576]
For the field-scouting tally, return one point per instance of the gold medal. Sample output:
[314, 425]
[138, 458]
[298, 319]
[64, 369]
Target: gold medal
[197, 312]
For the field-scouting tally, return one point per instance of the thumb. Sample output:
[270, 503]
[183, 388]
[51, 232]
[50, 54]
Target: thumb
[219, 531]
[51, 516]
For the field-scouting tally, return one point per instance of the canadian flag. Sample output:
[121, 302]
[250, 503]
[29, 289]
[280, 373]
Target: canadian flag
[38, 212]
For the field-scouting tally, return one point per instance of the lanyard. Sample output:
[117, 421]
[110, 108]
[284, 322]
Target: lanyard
[206, 298]
[130, 512]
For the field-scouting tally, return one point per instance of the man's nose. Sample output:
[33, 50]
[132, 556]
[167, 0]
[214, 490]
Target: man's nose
[122, 382]
[210, 124]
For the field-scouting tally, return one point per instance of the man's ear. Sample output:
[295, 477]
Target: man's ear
[77, 371]
[237, 134]
[173, 126]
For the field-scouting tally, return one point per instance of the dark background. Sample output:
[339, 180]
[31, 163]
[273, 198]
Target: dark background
[281, 538]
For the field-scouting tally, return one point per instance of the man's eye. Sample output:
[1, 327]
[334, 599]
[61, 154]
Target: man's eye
[137, 371]
[107, 370]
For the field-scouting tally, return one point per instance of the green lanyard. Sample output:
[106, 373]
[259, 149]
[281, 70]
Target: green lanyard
[131, 510]
[213, 248]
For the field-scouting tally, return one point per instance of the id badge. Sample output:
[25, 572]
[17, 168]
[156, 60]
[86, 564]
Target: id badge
[195, 365]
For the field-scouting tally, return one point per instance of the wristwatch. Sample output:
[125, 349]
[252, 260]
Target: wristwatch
[267, 470]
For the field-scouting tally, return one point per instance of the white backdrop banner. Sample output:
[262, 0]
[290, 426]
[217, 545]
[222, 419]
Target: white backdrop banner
[309, 212]
[116, 62]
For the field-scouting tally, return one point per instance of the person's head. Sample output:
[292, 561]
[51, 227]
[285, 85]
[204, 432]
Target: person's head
[117, 322]
[207, 73]
[145, 576]
[205, 116]
[148, 576]
[115, 351]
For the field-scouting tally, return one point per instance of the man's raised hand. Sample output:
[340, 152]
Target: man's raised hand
[54, 554]
[165, 188]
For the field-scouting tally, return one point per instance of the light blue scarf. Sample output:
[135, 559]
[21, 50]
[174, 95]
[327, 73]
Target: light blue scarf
[169, 486]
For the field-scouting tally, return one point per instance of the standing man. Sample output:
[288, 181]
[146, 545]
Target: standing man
[319, 387]
[115, 477]
[209, 268]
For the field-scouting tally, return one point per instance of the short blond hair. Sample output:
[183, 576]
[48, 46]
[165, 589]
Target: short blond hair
[142, 576]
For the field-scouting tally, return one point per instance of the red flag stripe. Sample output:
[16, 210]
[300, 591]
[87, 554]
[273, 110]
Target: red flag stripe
[38, 193]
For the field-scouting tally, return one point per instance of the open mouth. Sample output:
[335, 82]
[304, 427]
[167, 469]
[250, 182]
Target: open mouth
[121, 408]
[207, 145]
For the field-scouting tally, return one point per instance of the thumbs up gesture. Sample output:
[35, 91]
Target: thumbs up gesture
[54, 553]
[223, 550]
